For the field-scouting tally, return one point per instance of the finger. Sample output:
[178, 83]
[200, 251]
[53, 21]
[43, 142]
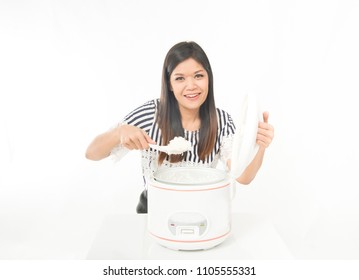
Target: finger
[127, 143]
[262, 144]
[131, 142]
[265, 116]
[266, 129]
[143, 142]
[264, 138]
[264, 125]
[140, 141]
[266, 132]
[148, 138]
[137, 142]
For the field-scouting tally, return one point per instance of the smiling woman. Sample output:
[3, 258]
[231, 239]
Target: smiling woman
[188, 98]
[186, 108]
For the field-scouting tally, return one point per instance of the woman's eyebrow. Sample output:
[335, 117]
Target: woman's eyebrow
[180, 74]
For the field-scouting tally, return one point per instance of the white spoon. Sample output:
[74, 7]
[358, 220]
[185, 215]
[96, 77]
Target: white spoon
[167, 149]
[176, 146]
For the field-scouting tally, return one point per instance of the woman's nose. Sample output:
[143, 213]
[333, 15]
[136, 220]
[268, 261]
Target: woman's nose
[191, 84]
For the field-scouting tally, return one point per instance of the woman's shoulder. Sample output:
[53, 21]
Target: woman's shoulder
[145, 110]
[147, 105]
[225, 122]
[152, 103]
[223, 115]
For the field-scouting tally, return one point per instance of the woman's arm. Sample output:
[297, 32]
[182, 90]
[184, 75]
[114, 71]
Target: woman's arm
[130, 137]
[265, 136]
[251, 171]
[102, 145]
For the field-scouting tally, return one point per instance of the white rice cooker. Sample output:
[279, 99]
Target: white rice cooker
[189, 208]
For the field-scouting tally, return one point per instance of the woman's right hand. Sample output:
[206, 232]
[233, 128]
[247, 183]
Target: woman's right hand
[134, 138]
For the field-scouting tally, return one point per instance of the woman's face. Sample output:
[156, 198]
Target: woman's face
[189, 83]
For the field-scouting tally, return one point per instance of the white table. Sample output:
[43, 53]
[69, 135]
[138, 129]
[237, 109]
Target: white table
[126, 237]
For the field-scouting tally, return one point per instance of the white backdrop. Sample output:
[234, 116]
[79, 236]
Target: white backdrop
[69, 70]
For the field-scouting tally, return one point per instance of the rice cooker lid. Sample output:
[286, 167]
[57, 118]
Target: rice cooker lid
[244, 143]
[189, 176]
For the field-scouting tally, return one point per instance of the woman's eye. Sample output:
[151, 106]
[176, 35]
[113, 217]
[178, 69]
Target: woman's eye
[198, 76]
[179, 79]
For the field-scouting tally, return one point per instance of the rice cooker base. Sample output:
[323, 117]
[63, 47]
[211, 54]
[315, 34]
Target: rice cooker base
[191, 217]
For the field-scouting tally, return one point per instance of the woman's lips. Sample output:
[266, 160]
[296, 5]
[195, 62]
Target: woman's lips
[192, 96]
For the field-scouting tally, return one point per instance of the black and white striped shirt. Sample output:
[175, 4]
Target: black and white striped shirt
[144, 118]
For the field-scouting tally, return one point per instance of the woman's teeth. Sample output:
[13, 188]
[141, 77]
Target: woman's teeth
[191, 95]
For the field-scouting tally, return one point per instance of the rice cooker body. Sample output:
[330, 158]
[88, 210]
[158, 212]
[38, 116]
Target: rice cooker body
[195, 213]
[190, 216]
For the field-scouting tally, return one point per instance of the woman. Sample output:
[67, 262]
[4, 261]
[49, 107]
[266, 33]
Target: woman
[186, 108]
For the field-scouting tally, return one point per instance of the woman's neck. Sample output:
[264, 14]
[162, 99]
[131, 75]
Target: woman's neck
[191, 120]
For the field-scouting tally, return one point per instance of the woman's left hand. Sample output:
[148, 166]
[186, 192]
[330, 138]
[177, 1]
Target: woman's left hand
[265, 132]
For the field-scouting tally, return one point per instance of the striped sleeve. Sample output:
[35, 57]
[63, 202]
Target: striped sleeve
[226, 130]
[225, 123]
[143, 116]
